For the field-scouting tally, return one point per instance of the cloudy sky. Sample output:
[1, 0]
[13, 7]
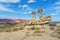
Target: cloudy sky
[21, 9]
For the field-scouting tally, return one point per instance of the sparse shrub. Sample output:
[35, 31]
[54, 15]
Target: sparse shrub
[38, 31]
[58, 36]
[37, 28]
[1, 30]
[7, 30]
[27, 34]
[42, 30]
[52, 28]
[54, 34]
[57, 32]
[36, 34]
[21, 28]
[28, 28]
[10, 27]
[32, 28]
[15, 29]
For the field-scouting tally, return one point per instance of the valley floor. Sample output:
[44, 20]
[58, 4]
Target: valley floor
[19, 35]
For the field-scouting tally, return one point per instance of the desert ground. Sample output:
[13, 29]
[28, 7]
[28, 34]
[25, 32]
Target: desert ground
[21, 35]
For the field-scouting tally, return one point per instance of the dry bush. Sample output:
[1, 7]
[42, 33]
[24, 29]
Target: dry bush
[56, 32]
[7, 30]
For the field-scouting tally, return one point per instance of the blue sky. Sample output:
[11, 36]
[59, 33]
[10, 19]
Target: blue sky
[21, 9]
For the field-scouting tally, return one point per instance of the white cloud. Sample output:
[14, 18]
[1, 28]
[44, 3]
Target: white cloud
[54, 14]
[57, 8]
[3, 8]
[58, 2]
[19, 6]
[24, 6]
[29, 12]
[31, 1]
[10, 1]
[24, 12]
[25, 9]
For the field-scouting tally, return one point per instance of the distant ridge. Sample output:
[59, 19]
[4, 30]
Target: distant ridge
[55, 21]
[22, 20]
[13, 20]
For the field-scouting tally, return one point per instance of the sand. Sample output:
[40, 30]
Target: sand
[20, 35]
